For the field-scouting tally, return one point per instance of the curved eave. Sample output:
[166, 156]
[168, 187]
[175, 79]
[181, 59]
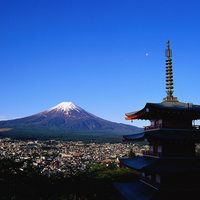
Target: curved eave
[163, 165]
[134, 137]
[191, 135]
[137, 163]
[136, 114]
[165, 109]
[135, 190]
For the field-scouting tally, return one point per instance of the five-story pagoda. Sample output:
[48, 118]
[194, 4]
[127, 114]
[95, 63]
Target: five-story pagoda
[170, 169]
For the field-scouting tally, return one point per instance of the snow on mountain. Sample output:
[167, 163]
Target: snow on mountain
[65, 107]
[63, 120]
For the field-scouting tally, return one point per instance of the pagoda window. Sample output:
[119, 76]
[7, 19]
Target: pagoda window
[157, 178]
[149, 177]
[194, 125]
[143, 174]
[152, 122]
[159, 149]
[151, 148]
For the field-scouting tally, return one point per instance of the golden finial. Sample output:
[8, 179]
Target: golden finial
[169, 77]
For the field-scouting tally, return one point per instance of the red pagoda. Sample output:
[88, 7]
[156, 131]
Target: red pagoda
[171, 168]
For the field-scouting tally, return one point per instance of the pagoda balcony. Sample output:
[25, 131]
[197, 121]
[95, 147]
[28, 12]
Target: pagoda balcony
[149, 182]
[152, 154]
[196, 127]
[158, 126]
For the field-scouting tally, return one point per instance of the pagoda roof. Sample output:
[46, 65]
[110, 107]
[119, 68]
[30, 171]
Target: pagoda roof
[186, 134]
[136, 137]
[137, 163]
[159, 110]
[163, 164]
[135, 190]
[140, 191]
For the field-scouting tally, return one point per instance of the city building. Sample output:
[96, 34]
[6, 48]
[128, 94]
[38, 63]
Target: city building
[171, 168]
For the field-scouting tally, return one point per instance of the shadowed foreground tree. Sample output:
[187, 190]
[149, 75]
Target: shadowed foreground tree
[131, 154]
[94, 183]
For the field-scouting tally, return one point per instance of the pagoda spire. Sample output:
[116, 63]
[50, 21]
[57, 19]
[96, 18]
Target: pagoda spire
[169, 77]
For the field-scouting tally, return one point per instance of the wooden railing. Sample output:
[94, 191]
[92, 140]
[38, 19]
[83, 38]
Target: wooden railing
[196, 127]
[151, 153]
[152, 127]
[149, 181]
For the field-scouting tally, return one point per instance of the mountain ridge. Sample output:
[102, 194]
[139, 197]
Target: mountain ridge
[64, 119]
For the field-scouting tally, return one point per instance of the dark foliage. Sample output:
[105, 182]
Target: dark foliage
[131, 154]
[93, 183]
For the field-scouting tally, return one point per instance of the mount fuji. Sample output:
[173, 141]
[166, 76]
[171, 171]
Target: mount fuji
[66, 120]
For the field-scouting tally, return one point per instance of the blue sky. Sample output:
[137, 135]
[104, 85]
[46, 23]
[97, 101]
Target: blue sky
[105, 56]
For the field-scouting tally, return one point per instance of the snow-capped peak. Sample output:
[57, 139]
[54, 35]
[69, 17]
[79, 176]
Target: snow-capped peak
[66, 107]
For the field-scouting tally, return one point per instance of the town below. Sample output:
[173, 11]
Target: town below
[52, 156]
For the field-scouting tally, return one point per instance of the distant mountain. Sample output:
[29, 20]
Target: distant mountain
[64, 120]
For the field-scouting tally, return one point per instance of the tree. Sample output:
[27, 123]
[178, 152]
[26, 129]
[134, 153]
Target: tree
[131, 154]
